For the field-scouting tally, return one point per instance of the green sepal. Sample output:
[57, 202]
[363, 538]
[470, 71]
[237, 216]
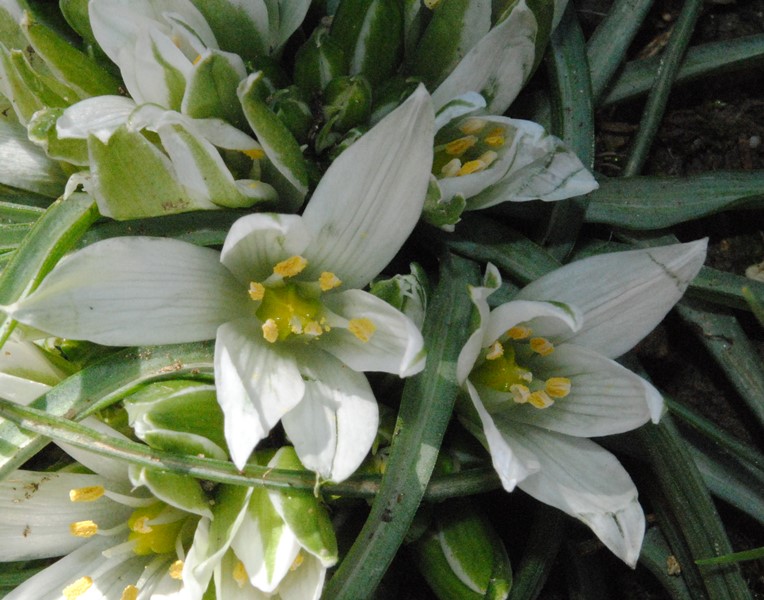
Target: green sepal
[176, 490]
[318, 61]
[76, 68]
[461, 556]
[121, 193]
[303, 513]
[441, 213]
[455, 27]
[42, 131]
[290, 173]
[371, 35]
[211, 90]
[179, 416]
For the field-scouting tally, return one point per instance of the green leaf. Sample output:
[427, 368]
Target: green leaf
[657, 202]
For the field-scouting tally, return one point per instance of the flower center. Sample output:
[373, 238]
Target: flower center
[504, 369]
[471, 148]
[155, 529]
[294, 308]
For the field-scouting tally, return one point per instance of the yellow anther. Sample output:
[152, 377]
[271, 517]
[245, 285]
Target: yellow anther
[363, 328]
[431, 4]
[541, 346]
[312, 328]
[451, 168]
[176, 569]
[254, 153]
[290, 267]
[83, 529]
[472, 125]
[328, 281]
[270, 331]
[495, 350]
[298, 560]
[540, 399]
[472, 166]
[86, 494]
[497, 141]
[240, 574]
[459, 146]
[129, 593]
[256, 290]
[140, 525]
[197, 60]
[78, 588]
[519, 332]
[557, 387]
[520, 393]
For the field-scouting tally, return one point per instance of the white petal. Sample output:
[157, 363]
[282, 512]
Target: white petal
[395, 346]
[135, 291]
[115, 471]
[369, 200]
[623, 295]
[584, 480]
[255, 244]
[605, 398]
[257, 383]
[35, 514]
[497, 66]
[544, 319]
[99, 116]
[334, 426]
[479, 296]
[305, 582]
[508, 465]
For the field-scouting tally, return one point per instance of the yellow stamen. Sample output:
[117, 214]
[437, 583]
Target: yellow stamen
[541, 346]
[256, 290]
[254, 153]
[313, 328]
[488, 157]
[472, 125]
[270, 331]
[520, 393]
[363, 329]
[290, 267]
[451, 168]
[328, 281]
[129, 593]
[519, 332]
[459, 146]
[240, 574]
[176, 569]
[557, 387]
[78, 588]
[497, 141]
[298, 560]
[86, 494]
[472, 166]
[197, 60]
[431, 4]
[540, 399]
[83, 529]
[140, 525]
[495, 351]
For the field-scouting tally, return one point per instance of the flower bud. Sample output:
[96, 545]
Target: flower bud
[347, 102]
[318, 61]
[291, 106]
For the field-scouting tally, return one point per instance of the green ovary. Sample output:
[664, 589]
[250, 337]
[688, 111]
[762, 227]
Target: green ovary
[502, 372]
[149, 537]
[288, 309]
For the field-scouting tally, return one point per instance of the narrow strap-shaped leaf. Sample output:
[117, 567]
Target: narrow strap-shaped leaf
[705, 60]
[608, 44]
[654, 557]
[539, 553]
[52, 236]
[572, 121]
[687, 514]
[721, 334]
[486, 240]
[657, 202]
[425, 410]
[19, 213]
[658, 98]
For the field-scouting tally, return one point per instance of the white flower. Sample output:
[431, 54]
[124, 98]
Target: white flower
[489, 159]
[122, 536]
[293, 331]
[26, 372]
[540, 374]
